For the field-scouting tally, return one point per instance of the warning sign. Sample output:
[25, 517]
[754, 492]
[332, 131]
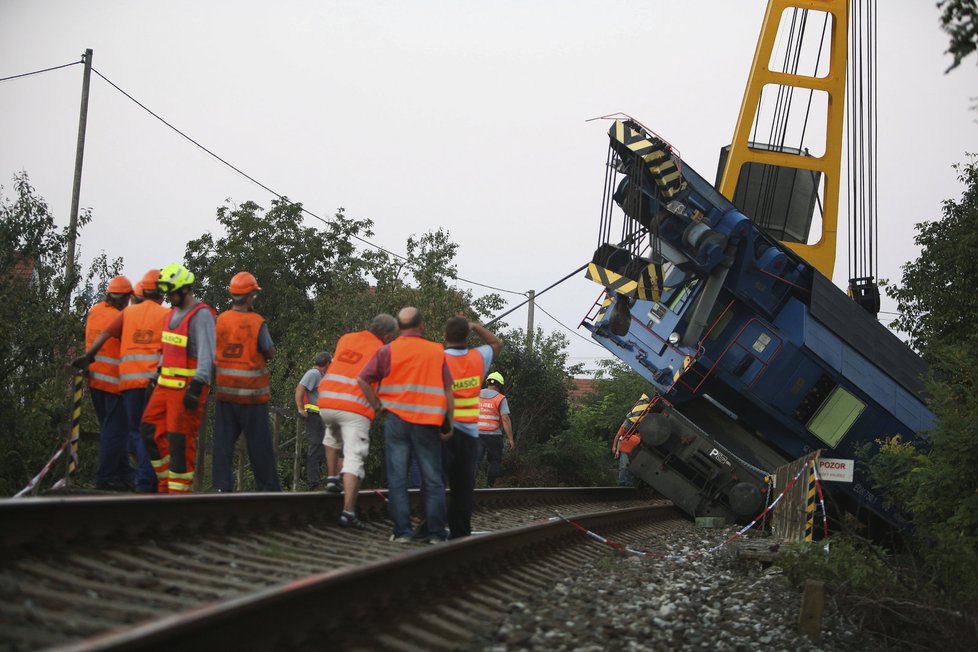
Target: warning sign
[835, 470]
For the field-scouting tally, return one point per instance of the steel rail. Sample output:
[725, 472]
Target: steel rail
[381, 594]
[65, 520]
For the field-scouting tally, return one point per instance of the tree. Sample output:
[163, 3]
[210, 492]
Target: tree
[39, 338]
[937, 485]
[615, 391]
[959, 18]
[936, 299]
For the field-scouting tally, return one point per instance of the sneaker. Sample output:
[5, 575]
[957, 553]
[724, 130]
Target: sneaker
[396, 539]
[435, 541]
[350, 520]
[333, 488]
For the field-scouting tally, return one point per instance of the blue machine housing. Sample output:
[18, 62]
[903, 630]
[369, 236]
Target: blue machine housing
[758, 358]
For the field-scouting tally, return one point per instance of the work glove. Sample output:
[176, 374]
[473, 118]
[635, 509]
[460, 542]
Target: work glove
[149, 390]
[82, 361]
[191, 398]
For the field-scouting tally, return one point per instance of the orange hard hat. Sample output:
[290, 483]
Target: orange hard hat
[243, 283]
[149, 280]
[119, 285]
[137, 289]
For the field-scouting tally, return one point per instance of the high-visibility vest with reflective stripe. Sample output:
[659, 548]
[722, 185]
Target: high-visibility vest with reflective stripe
[338, 390]
[177, 365]
[414, 389]
[489, 418]
[466, 373]
[240, 374]
[103, 372]
[628, 432]
[139, 354]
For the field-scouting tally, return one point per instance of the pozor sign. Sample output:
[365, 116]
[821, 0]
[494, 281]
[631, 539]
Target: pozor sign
[835, 470]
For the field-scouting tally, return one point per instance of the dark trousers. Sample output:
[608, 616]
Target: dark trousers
[491, 446]
[458, 457]
[134, 402]
[315, 453]
[252, 420]
[113, 471]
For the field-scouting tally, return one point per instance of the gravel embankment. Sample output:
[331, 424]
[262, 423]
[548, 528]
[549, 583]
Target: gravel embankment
[627, 602]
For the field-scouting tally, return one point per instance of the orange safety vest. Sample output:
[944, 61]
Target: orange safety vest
[139, 354]
[628, 432]
[240, 374]
[103, 372]
[466, 373]
[489, 418]
[414, 389]
[177, 365]
[339, 390]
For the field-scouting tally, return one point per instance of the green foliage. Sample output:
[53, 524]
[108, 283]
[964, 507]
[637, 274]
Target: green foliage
[537, 381]
[39, 337]
[959, 18]
[850, 566]
[937, 300]
[568, 459]
[616, 390]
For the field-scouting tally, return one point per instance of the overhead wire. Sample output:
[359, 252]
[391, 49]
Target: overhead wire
[38, 72]
[283, 198]
[565, 326]
[258, 183]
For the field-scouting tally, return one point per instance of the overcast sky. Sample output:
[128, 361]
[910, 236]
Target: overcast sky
[469, 116]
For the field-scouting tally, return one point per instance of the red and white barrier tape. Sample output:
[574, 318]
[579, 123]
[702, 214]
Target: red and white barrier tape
[47, 467]
[701, 553]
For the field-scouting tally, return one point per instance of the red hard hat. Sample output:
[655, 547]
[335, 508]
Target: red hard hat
[243, 283]
[119, 285]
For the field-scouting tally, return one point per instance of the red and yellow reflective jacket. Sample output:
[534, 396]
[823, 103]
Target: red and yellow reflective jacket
[178, 367]
[466, 373]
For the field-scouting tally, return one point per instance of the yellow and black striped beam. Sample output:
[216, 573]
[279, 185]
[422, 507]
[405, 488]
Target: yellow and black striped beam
[613, 281]
[650, 283]
[653, 152]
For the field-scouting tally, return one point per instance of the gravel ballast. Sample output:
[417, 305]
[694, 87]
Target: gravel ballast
[628, 602]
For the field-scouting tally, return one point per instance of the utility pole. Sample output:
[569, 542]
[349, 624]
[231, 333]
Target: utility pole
[76, 187]
[529, 320]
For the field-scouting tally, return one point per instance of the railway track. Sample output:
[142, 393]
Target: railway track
[113, 573]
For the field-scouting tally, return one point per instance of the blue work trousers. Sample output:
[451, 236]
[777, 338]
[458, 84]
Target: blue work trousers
[490, 446]
[134, 402]
[113, 471]
[401, 440]
[252, 420]
[459, 458]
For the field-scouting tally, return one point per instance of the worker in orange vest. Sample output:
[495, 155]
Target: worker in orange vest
[102, 370]
[242, 386]
[139, 328]
[468, 367]
[416, 395]
[494, 421]
[346, 414]
[173, 415]
[627, 438]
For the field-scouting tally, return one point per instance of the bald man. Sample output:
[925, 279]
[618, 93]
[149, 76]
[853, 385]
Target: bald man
[416, 399]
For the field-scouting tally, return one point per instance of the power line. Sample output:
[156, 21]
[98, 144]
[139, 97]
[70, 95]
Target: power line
[570, 330]
[38, 72]
[265, 187]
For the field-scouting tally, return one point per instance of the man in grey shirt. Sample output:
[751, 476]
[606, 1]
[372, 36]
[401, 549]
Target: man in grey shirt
[307, 403]
[174, 412]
